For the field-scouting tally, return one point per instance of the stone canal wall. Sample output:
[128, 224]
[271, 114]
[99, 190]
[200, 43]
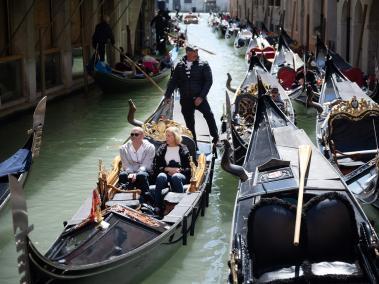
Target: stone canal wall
[61, 31]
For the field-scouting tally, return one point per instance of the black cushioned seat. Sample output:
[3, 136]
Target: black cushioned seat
[191, 145]
[331, 229]
[271, 226]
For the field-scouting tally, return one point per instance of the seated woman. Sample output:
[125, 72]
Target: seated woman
[171, 164]
[150, 64]
[137, 157]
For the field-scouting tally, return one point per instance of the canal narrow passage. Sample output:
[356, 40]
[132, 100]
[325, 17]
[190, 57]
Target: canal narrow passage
[83, 128]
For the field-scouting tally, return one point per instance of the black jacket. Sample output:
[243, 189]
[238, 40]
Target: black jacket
[160, 162]
[196, 85]
[102, 33]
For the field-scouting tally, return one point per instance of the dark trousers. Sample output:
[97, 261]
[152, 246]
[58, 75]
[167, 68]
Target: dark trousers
[101, 51]
[188, 111]
[161, 43]
[141, 182]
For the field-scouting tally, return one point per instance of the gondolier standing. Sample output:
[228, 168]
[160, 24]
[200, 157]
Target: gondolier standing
[102, 35]
[193, 77]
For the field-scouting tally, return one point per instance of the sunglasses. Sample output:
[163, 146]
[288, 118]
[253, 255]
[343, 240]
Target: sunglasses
[134, 134]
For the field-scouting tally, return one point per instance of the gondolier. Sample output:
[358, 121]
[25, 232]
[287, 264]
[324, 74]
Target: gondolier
[193, 77]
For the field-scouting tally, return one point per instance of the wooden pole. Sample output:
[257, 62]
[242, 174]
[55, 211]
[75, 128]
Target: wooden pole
[84, 52]
[361, 36]
[128, 40]
[140, 69]
[307, 39]
[42, 62]
[305, 152]
[293, 18]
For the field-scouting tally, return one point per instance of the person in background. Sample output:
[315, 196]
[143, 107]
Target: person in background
[124, 64]
[161, 24]
[171, 164]
[150, 64]
[193, 77]
[102, 35]
[137, 157]
[275, 96]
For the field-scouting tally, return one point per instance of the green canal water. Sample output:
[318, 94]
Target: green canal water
[82, 128]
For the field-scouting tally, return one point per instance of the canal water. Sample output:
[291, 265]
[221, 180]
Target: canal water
[83, 128]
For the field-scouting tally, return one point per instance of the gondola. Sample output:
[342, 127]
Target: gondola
[354, 74]
[242, 41]
[19, 163]
[113, 81]
[191, 19]
[259, 45]
[347, 132]
[286, 64]
[240, 116]
[113, 238]
[231, 33]
[335, 242]
[222, 28]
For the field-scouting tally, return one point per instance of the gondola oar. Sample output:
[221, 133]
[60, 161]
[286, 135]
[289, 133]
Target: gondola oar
[186, 41]
[140, 69]
[305, 152]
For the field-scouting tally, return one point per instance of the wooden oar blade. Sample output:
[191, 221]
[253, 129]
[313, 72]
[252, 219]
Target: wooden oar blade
[305, 152]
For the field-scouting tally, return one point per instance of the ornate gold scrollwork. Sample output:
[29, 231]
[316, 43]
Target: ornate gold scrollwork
[156, 130]
[353, 110]
[251, 89]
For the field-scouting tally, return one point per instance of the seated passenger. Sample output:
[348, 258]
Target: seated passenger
[171, 164]
[123, 65]
[150, 64]
[166, 61]
[275, 96]
[137, 157]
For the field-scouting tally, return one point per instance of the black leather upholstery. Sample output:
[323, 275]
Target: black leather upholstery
[271, 226]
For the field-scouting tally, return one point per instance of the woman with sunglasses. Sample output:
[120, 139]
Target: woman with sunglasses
[171, 164]
[137, 157]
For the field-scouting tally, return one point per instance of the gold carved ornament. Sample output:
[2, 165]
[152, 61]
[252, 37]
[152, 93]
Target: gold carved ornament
[197, 173]
[157, 130]
[251, 89]
[353, 110]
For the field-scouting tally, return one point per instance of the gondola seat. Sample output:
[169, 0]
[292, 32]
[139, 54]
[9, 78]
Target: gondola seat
[331, 229]
[271, 224]
[328, 242]
[343, 140]
[245, 106]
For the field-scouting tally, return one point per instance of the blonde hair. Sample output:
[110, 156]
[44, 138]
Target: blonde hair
[175, 131]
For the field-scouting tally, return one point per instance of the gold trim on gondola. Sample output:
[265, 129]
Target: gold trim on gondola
[251, 89]
[156, 130]
[352, 109]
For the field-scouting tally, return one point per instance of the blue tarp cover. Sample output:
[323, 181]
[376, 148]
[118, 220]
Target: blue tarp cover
[103, 67]
[18, 163]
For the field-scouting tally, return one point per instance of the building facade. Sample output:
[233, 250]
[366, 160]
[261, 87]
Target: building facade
[349, 27]
[61, 31]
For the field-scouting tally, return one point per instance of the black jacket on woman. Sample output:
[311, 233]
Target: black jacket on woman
[160, 162]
